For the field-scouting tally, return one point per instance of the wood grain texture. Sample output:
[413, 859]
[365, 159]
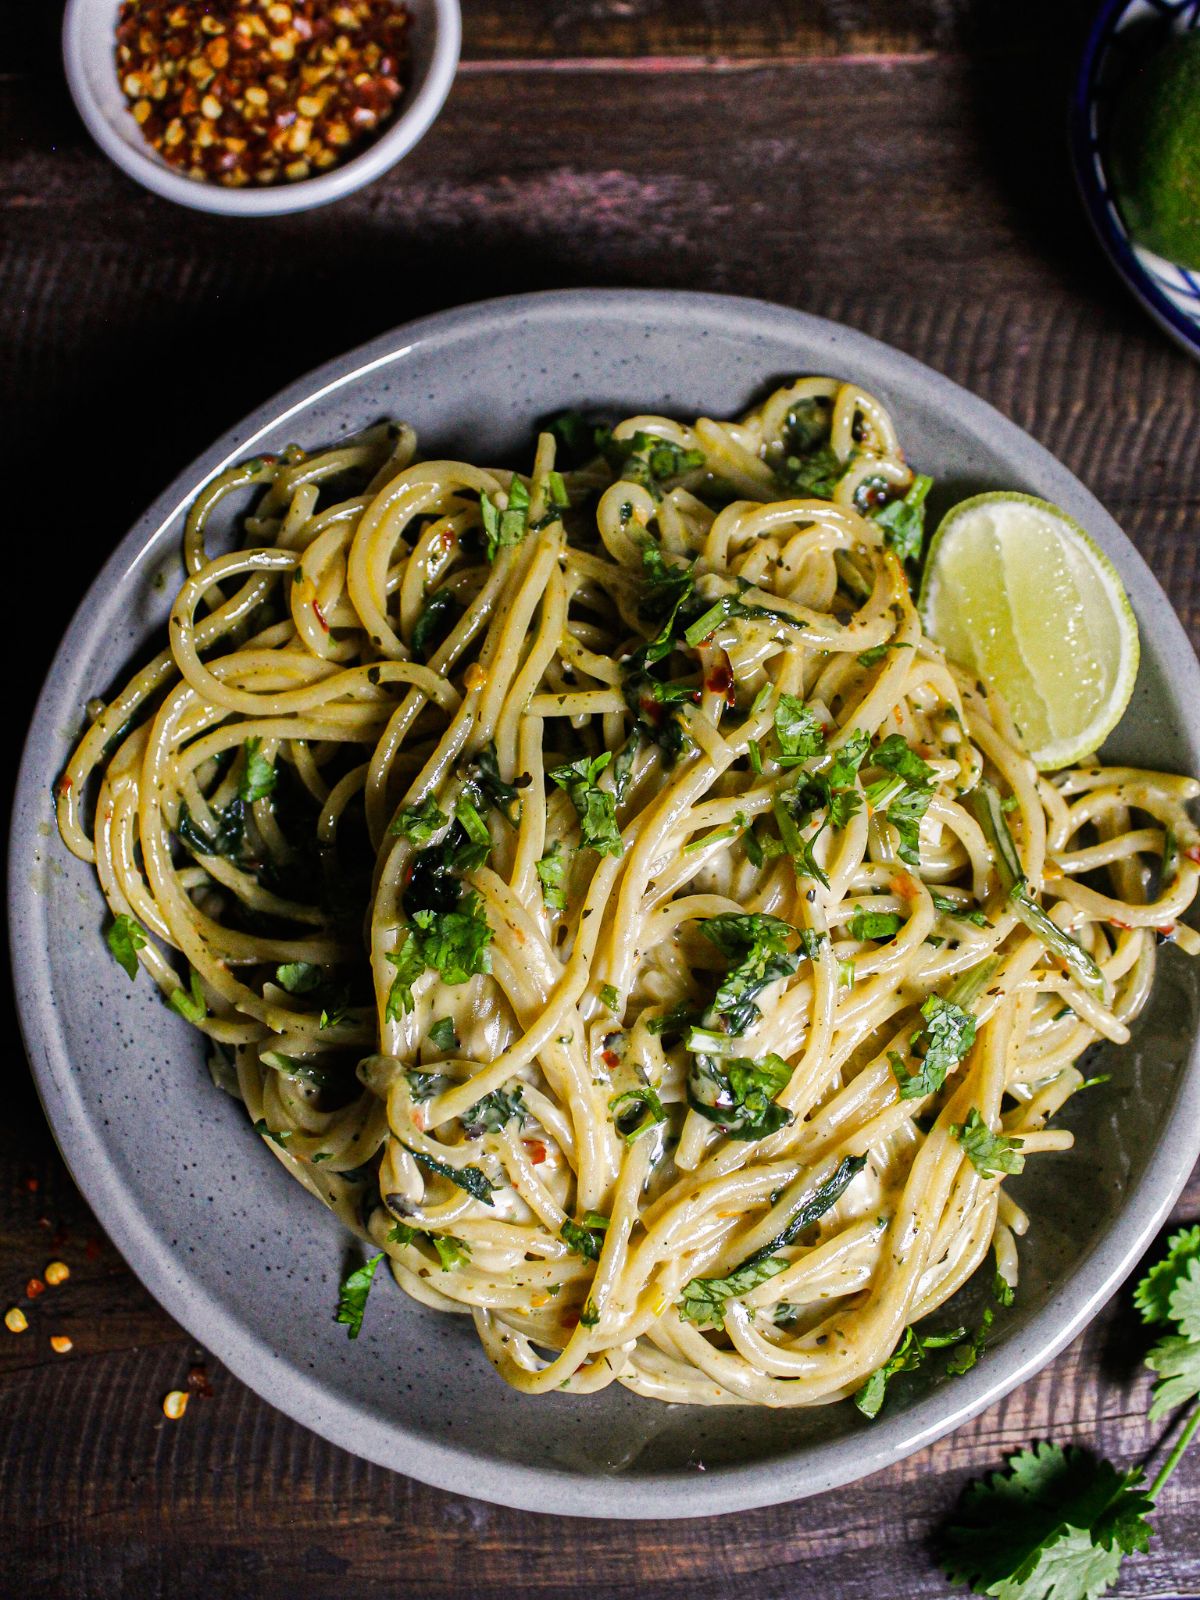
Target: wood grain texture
[870, 160]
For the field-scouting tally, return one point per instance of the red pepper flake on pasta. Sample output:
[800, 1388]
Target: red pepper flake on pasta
[260, 92]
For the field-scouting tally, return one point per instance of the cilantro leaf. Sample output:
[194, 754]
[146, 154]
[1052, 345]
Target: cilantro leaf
[905, 813]
[484, 772]
[190, 1002]
[452, 943]
[951, 908]
[647, 459]
[898, 756]
[739, 1094]
[585, 1238]
[1152, 1296]
[1053, 1526]
[418, 823]
[552, 875]
[866, 924]
[989, 1153]
[908, 1355]
[815, 474]
[502, 529]
[1176, 1360]
[596, 807]
[299, 977]
[443, 1036]
[903, 521]
[798, 731]
[125, 938]
[756, 945]
[258, 775]
[352, 1296]
[434, 624]
[949, 1032]
[873, 656]
[451, 1252]
[494, 1112]
[473, 1179]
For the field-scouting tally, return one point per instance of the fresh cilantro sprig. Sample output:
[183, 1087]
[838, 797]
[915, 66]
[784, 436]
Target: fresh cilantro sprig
[1057, 1523]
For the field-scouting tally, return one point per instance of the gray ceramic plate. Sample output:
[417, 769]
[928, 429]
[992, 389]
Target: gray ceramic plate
[249, 1264]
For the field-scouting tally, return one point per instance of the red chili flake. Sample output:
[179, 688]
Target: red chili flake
[32, 1185]
[64, 784]
[34, 1287]
[720, 679]
[1126, 927]
[246, 92]
[446, 539]
[610, 1059]
[197, 1382]
[1193, 853]
[1167, 932]
[536, 1149]
[320, 615]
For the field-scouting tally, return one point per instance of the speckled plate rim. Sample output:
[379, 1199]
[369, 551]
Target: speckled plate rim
[1113, 241]
[354, 1426]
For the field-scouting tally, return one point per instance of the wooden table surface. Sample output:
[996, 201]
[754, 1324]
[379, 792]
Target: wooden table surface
[896, 164]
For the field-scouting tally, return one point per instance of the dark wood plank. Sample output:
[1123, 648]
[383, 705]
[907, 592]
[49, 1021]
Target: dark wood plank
[861, 160]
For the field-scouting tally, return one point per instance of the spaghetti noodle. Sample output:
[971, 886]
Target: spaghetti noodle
[724, 952]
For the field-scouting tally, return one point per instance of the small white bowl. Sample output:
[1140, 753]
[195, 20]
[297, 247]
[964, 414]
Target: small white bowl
[89, 52]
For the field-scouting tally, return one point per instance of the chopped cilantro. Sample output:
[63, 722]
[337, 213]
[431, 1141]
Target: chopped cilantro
[352, 1296]
[903, 521]
[596, 807]
[125, 938]
[866, 924]
[494, 1112]
[443, 1036]
[435, 622]
[552, 875]
[299, 977]
[190, 1002]
[418, 823]
[990, 1153]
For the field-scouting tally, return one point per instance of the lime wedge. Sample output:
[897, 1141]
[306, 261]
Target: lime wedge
[1017, 593]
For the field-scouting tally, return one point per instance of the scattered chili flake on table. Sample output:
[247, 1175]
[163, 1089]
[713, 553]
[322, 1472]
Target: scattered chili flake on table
[174, 1404]
[198, 1383]
[259, 91]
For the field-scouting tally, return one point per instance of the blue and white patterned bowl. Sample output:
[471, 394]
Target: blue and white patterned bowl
[1122, 33]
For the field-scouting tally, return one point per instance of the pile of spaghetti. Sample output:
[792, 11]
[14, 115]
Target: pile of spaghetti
[603, 895]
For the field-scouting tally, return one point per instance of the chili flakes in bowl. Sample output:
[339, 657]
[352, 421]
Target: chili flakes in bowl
[261, 92]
